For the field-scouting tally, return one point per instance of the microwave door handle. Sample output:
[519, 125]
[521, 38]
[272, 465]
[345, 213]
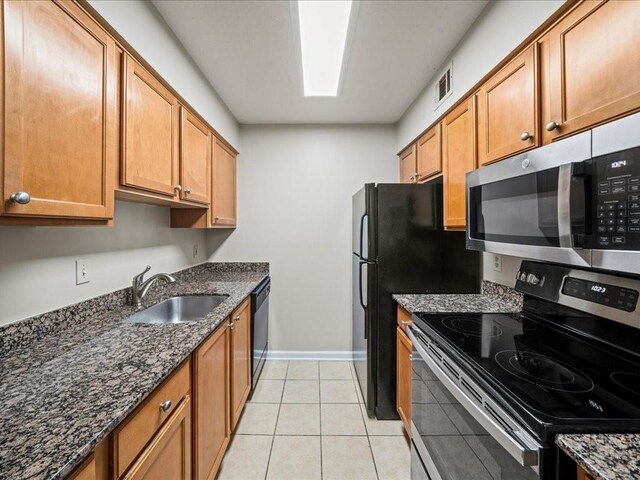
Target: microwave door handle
[564, 205]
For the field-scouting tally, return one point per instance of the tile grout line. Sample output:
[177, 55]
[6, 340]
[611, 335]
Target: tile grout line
[275, 427]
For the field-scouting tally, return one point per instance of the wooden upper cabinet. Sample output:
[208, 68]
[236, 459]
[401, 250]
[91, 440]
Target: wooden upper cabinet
[594, 66]
[459, 157]
[408, 165]
[508, 109]
[150, 116]
[195, 158]
[429, 154]
[60, 112]
[223, 195]
[240, 359]
[211, 381]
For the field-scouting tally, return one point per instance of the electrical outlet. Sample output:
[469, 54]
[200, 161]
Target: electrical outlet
[195, 251]
[82, 272]
[497, 263]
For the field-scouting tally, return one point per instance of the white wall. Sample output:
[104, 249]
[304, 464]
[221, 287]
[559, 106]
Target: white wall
[37, 264]
[507, 276]
[499, 29]
[142, 26]
[294, 207]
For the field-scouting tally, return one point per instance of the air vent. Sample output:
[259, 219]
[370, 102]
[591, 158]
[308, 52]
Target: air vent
[443, 86]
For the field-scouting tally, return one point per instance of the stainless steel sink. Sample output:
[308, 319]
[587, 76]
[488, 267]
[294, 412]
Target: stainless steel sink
[189, 308]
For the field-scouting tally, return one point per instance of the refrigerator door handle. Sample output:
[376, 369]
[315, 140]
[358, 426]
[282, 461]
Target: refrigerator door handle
[362, 301]
[364, 223]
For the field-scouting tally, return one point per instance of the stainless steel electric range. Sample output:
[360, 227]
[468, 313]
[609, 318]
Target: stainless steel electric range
[490, 391]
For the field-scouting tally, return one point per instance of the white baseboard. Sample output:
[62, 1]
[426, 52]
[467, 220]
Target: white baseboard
[338, 355]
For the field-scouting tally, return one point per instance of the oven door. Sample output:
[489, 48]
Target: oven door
[458, 433]
[533, 205]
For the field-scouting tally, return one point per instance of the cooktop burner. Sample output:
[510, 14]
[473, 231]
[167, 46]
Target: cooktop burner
[543, 371]
[628, 381]
[556, 376]
[472, 326]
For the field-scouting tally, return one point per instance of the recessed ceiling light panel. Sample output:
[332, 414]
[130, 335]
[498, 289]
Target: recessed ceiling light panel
[323, 34]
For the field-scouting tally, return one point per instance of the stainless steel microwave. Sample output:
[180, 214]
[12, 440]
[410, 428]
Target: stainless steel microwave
[576, 201]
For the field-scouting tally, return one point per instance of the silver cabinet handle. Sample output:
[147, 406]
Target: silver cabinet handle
[232, 325]
[178, 188]
[21, 198]
[237, 319]
[524, 136]
[215, 219]
[165, 406]
[187, 191]
[551, 126]
[404, 322]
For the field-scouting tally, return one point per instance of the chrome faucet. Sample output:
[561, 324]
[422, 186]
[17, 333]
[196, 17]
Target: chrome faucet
[141, 286]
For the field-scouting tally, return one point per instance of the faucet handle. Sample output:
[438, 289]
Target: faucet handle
[140, 276]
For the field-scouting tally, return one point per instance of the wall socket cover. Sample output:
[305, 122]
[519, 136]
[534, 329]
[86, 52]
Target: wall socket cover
[195, 251]
[497, 263]
[82, 272]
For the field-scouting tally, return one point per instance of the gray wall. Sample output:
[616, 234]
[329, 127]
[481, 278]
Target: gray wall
[500, 28]
[294, 207]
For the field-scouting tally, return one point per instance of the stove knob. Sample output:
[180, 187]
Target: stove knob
[533, 279]
[522, 276]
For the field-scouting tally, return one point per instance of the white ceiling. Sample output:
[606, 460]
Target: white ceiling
[249, 51]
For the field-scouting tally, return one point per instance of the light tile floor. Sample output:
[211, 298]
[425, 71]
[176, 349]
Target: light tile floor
[306, 420]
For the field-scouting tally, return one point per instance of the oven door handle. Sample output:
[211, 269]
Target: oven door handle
[518, 443]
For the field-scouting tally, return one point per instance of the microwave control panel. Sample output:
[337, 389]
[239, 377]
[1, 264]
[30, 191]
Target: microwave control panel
[616, 213]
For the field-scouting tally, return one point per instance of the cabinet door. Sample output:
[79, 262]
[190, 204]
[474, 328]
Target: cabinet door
[240, 359]
[459, 157]
[168, 456]
[223, 201]
[594, 69]
[211, 403]
[60, 112]
[403, 378]
[430, 154]
[195, 158]
[149, 132]
[508, 109]
[408, 165]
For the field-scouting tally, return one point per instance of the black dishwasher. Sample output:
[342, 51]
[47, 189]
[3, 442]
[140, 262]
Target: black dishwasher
[259, 328]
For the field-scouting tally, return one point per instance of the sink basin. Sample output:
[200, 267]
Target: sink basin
[178, 309]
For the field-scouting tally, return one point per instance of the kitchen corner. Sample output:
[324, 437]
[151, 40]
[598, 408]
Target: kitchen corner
[69, 377]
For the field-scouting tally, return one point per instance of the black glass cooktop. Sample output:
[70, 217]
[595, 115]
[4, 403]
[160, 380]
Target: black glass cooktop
[553, 376]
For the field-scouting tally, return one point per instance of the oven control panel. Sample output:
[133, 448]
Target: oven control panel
[610, 295]
[617, 201]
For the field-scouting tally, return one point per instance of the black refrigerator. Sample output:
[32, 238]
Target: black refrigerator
[399, 246]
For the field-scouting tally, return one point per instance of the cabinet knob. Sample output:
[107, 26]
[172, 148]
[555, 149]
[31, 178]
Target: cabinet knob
[551, 126]
[405, 323]
[232, 325]
[187, 191]
[524, 136]
[237, 319]
[215, 219]
[20, 197]
[178, 188]
[165, 406]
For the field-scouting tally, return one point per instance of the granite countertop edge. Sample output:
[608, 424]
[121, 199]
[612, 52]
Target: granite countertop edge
[147, 372]
[604, 456]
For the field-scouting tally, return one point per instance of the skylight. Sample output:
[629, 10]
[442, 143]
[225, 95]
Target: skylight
[323, 34]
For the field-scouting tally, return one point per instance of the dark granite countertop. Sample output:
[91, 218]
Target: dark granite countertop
[494, 299]
[607, 456]
[69, 377]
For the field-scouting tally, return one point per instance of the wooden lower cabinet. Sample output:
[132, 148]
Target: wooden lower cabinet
[240, 359]
[403, 378]
[169, 454]
[95, 466]
[582, 474]
[458, 158]
[212, 411]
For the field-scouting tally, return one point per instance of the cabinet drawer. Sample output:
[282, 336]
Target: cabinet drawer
[138, 429]
[404, 318]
